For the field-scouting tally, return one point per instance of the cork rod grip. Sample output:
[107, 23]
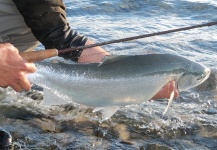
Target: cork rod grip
[39, 55]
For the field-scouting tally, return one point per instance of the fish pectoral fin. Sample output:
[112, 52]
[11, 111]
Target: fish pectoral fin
[107, 112]
[169, 102]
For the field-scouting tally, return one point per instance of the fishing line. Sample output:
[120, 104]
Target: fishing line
[40, 55]
[136, 37]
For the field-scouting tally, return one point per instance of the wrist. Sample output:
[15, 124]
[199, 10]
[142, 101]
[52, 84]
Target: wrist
[92, 55]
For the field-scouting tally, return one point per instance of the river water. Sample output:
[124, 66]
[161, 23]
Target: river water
[191, 122]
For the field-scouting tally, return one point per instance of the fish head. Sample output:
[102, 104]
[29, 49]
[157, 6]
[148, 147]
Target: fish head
[194, 75]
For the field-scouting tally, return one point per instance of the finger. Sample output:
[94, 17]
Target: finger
[29, 68]
[165, 91]
[16, 86]
[172, 84]
[168, 89]
[25, 84]
[20, 83]
[23, 81]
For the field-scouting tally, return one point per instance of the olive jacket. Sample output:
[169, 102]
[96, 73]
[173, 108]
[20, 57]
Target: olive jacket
[48, 23]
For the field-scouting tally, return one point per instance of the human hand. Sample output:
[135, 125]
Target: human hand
[166, 91]
[13, 68]
[92, 55]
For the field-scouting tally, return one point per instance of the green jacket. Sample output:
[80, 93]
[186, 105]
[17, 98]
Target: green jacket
[47, 20]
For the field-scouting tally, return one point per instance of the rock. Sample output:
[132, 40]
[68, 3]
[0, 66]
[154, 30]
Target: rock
[157, 147]
[36, 92]
[210, 111]
[5, 139]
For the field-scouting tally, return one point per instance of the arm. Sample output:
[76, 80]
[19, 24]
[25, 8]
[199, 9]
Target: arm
[92, 55]
[47, 20]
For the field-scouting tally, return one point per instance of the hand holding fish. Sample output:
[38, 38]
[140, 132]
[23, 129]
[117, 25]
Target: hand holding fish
[166, 91]
[14, 68]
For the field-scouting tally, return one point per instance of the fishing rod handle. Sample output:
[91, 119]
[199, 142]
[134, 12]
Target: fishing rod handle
[34, 56]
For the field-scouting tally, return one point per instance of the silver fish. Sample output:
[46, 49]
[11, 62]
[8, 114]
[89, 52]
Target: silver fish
[119, 80]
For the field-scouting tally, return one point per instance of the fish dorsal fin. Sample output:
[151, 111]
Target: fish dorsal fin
[111, 58]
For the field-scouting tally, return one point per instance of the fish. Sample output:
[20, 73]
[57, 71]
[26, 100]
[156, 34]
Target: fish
[119, 80]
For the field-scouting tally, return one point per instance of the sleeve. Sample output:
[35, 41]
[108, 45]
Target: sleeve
[47, 20]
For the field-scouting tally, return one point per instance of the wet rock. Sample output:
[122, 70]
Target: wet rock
[34, 95]
[122, 132]
[127, 142]
[17, 112]
[5, 140]
[99, 132]
[19, 145]
[47, 124]
[17, 135]
[208, 131]
[210, 111]
[36, 92]
[141, 148]
[36, 87]
[69, 107]
[55, 146]
[2, 94]
[157, 147]
[210, 143]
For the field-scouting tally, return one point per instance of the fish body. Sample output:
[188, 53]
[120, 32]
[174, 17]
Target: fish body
[120, 80]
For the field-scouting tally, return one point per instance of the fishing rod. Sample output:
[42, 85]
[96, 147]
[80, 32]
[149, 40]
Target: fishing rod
[48, 53]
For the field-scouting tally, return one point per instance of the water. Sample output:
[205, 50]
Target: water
[191, 122]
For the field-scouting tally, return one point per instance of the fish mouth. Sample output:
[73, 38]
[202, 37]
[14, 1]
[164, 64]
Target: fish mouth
[199, 80]
[207, 72]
